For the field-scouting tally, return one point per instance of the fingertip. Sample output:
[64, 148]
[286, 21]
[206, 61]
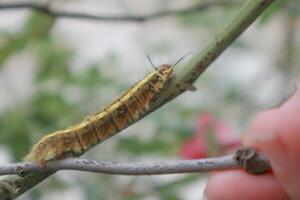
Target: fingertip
[236, 184]
[293, 100]
[276, 133]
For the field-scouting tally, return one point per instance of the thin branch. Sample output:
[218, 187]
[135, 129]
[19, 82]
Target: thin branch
[233, 161]
[201, 60]
[108, 167]
[44, 8]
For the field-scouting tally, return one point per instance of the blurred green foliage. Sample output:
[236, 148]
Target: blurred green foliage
[35, 30]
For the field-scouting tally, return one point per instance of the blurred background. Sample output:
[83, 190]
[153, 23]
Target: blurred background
[56, 71]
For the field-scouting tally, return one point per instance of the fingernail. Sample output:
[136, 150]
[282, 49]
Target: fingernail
[205, 196]
[298, 84]
[246, 138]
[259, 137]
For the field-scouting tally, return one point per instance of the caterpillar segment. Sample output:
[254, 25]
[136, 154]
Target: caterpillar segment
[122, 112]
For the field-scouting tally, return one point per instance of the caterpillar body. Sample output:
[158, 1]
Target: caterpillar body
[122, 112]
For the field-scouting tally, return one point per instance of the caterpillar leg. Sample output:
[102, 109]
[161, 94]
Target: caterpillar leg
[42, 164]
[59, 156]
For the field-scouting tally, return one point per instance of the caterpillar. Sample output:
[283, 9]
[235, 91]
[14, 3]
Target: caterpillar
[121, 113]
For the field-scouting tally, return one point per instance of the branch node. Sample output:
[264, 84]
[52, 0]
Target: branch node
[21, 171]
[252, 161]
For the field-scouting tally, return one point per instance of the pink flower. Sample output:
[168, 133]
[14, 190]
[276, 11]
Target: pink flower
[213, 137]
[194, 148]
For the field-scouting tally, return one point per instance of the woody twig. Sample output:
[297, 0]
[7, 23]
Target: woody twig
[58, 13]
[248, 158]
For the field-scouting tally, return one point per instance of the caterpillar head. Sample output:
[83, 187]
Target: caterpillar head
[166, 70]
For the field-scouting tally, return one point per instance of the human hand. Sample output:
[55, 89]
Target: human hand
[276, 133]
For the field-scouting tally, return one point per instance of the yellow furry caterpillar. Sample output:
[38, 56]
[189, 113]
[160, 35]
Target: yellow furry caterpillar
[122, 112]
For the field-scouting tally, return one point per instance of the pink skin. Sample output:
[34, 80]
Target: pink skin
[276, 133]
